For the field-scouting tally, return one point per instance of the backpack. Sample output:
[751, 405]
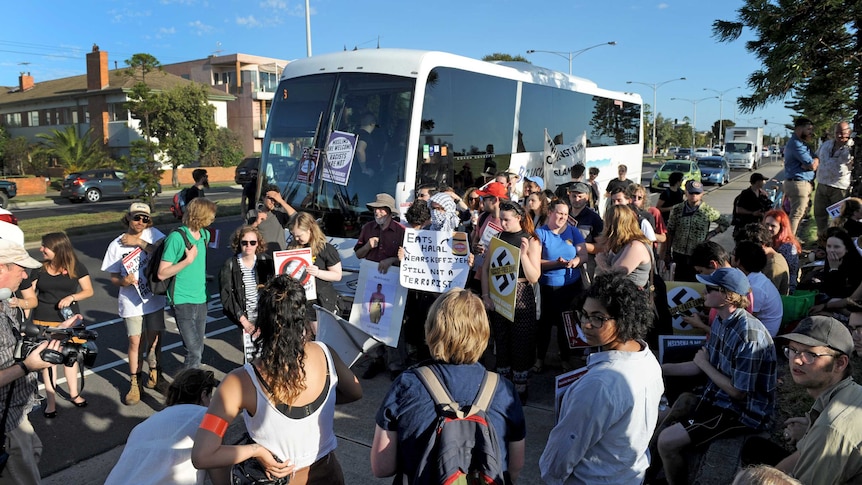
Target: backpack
[158, 286]
[178, 206]
[463, 448]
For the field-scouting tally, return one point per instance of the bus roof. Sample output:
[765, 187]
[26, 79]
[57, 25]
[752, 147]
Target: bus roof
[416, 63]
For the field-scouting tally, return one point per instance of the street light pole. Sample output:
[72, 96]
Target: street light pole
[572, 54]
[720, 108]
[655, 87]
[694, 122]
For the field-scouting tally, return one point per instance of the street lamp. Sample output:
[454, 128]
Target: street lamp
[720, 113]
[655, 87]
[694, 122]
[572, 54]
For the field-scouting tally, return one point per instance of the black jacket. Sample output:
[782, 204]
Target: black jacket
[233, 289]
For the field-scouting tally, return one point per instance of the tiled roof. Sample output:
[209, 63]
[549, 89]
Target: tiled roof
[76, 86]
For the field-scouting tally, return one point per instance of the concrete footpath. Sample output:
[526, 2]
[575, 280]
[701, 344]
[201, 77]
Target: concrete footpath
[355, 422]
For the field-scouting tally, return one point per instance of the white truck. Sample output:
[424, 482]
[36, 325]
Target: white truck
[742, 147]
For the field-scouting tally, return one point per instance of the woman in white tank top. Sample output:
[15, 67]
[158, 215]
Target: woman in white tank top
[287, 397]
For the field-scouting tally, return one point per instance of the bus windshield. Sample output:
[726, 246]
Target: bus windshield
[306, 111]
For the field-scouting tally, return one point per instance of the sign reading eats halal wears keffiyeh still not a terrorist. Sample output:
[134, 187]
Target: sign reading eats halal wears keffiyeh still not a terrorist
[434, 260]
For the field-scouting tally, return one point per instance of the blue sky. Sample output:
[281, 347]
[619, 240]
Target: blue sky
[656, 40]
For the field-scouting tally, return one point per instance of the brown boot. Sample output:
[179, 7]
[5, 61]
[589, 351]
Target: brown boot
[154, 377]
[134, 395]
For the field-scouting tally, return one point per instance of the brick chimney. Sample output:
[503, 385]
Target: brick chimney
[25, 81]
[97, 69]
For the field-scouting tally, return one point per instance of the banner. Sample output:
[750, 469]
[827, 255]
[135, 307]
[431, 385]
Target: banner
[295, 263]
[503, 277]
[378, 305]
[559, 159]
[346, 340]
[338, 158]
[434, 260]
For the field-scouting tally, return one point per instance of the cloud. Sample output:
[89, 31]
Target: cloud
[122, 15]
[274, 4]
[249, 21]
[281, 6]
[165, 32]
[662, 6]
[201, 28]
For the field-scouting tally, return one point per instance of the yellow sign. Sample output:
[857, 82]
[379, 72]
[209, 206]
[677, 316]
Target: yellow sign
[503, 276]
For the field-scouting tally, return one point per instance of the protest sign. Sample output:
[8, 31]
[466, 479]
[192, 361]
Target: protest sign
[668, 342]
[834, 210]
[132, 263]
[295, 263]
[574, 334]
[503, 277]
[308, 165]
[345, 339]
[378, 305]
[434, 260]
[338, 158]
[561, 384]
[683, 297]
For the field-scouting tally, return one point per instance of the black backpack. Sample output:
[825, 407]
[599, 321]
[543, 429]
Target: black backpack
[463, 448]
[158, 286]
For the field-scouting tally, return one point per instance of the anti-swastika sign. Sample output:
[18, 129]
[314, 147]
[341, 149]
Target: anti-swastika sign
[679, 293]
[503, 276]
[295, 263]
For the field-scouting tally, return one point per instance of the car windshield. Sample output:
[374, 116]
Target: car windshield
[675, 167]
[710, 163]
[683, 150]
[738, 147]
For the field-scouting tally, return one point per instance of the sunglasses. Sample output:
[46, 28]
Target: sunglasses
[249, 243]
[511, 206]
[141, 218]
[474, 198]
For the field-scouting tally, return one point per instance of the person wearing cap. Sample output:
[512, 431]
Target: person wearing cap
[577, 175]
[18, 385]
[588, 222]
[739, 361]
[275, 216]
[833, 176]
[491, 196]
[827, 438]
[799, 167]
[854, 323]
[141, 310]
[688, 226]
[532, 184]
[750, 205]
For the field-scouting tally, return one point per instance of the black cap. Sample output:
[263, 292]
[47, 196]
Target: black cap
[756, 177]
[822, 331]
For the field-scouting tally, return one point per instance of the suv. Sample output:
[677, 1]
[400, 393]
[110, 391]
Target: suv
[94, 185]
[7, 191]
[246, 170]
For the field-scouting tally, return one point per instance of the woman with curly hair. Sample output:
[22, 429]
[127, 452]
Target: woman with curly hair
[325, 262]
[623, 386]
[626, 249]
[850, 217]
[287, 396]
[784, 242]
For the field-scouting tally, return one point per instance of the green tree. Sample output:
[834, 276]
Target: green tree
[141, 165]
[142, 170]
[500, 56]
[17, 154]
[725, 124]
[224, 151]
[75, 153]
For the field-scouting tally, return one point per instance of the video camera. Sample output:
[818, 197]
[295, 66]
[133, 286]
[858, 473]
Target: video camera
[76, 344]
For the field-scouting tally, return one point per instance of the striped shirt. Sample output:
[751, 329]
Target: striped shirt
[24, 393]
[249, 281]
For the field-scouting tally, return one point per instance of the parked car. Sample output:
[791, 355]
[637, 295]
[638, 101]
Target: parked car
[702, 152]
[714, 170]
[246, 170]
[7, 216]
[7, 191]
[683, 154]
[95, 185]
[765, 152]
[688, 168]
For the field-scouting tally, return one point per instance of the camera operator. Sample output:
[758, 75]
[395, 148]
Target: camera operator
[21, 447]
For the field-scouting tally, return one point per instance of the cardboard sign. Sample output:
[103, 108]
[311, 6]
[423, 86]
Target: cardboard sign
[434, 260]
[682, 298]
[345, 339]
[338, 158]
[378, 306]
[295, 263]
[561, 384]
[834, 210]
[503, 276]
[574, 334]
[132, 265]
[666, 342]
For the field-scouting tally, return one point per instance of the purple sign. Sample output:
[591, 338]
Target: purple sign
[339, 157]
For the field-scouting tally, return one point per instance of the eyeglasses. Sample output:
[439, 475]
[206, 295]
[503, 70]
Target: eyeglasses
[141, 218]
[474, 198]
[596, 321]
[856, 330]
[249, 243]
[805, 356]
[711, 289]
[511, 206]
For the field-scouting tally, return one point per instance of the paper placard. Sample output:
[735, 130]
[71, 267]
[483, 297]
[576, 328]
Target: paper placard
[503, 276]
[378, 306]
[295, 262]
[434, 260]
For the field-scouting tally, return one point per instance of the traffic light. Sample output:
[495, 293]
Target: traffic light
[765, 122]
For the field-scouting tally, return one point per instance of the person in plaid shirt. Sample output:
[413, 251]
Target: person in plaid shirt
[688, 226]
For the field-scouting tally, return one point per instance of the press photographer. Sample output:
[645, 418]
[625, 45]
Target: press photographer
[21, 448]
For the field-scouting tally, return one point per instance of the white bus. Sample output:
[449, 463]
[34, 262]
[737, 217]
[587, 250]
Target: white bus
[433, 115]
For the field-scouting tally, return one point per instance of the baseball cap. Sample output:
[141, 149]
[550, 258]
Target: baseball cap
[537, 180]
[385, 201]
[822, 331]
[694, 187]
[139, 208]
[581, 187]
[14, 253]
[731, 279]
[756, 177]
[494, 189]
[11, 232]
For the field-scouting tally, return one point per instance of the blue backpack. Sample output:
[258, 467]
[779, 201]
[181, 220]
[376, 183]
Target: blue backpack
[178, 205]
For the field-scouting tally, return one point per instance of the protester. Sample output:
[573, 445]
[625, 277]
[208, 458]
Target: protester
[800, 165]
[60, 284]
[492, 196]
[563, 253]
[188, 266]
[620, 181]
[850, 217]
[763, 475]
[776, 269]
[287, 397]
[595, 194]
[515, 344]
[18, 383]
[457, 333]
[537, 208]
[276, 216]
[672, 195]
[750, 258]
[739, 360]
[159, 450]
[627, 250]
[838, 279]
[833, 175]
[687, 226]
[621, 389]
[645, 220]
[142, 311]
[243, 276]
[325, 267]
[785, 243]
[751, 204]
[638, 199]
[588, 222]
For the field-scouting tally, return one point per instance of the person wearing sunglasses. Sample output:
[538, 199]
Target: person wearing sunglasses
[142, 311]
[739, 361]
[242, 277]
[608, 416]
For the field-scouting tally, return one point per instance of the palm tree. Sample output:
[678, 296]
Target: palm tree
[75, 153]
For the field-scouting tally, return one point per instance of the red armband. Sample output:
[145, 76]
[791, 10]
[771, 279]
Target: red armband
[213, 423]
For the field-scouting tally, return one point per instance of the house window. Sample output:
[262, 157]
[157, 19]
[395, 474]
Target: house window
[13, 120]
[33, 118]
